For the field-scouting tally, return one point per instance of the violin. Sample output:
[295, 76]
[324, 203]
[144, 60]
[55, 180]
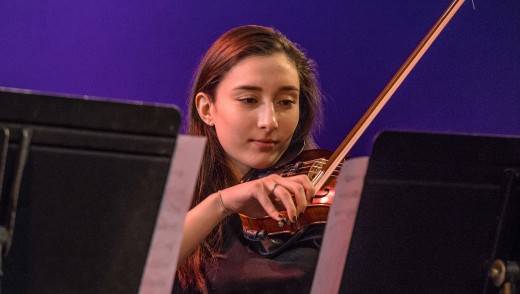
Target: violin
[269, 237]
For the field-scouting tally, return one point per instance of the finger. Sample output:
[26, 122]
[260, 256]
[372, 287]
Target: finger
[297, 192]
[286, 197]
[268, 206]
[307, 185]
[301, 202]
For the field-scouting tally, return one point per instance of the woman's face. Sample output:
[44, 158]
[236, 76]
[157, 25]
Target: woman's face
[256, 110]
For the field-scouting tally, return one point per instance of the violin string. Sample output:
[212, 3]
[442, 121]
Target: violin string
[317, 165]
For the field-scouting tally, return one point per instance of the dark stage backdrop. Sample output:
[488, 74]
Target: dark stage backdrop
[147, 50]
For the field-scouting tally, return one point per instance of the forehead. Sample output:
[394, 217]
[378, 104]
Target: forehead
[267, 72]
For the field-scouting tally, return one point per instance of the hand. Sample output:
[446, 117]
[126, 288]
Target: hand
[268, 195]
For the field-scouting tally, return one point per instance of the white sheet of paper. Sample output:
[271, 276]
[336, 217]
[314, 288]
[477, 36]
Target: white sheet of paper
[161, 263]
[340, 224]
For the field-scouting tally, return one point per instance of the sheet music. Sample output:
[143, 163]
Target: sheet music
[340, 224]
[161, 263]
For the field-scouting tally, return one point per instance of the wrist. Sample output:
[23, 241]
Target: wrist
[223, 208]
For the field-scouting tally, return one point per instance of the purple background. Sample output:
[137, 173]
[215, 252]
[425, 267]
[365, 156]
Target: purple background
[468, 82]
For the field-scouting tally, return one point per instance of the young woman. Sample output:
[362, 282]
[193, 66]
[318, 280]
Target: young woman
[256, 99]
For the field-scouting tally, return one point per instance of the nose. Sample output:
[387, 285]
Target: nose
[267, 117]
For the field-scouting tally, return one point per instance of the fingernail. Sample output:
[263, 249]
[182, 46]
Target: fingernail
[280, 223]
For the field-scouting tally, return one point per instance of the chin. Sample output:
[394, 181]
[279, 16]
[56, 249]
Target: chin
[263, 163]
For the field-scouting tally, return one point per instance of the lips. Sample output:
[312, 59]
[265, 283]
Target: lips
[264, 143]
[267, 141]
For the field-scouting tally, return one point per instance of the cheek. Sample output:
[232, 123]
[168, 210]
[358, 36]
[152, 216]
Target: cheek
[225, 135]
[290, 122]
[229, 131]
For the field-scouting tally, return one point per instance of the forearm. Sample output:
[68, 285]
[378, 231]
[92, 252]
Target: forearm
[199, 222]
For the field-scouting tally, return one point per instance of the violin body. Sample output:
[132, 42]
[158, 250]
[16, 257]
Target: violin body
[268, 236]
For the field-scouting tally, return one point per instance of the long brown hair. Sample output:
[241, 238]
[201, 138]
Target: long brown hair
[226, 51]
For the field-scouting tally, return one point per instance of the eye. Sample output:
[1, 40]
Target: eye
[248, 100]
[286, 102]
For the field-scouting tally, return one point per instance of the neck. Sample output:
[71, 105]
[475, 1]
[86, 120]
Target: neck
[238, 172]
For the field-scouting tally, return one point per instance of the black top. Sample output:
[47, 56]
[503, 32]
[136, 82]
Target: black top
[240, 270]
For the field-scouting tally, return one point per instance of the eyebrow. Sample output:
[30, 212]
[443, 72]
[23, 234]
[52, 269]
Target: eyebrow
[259, 89]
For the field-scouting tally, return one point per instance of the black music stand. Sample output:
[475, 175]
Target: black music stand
[436, 211]
[85, 181]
